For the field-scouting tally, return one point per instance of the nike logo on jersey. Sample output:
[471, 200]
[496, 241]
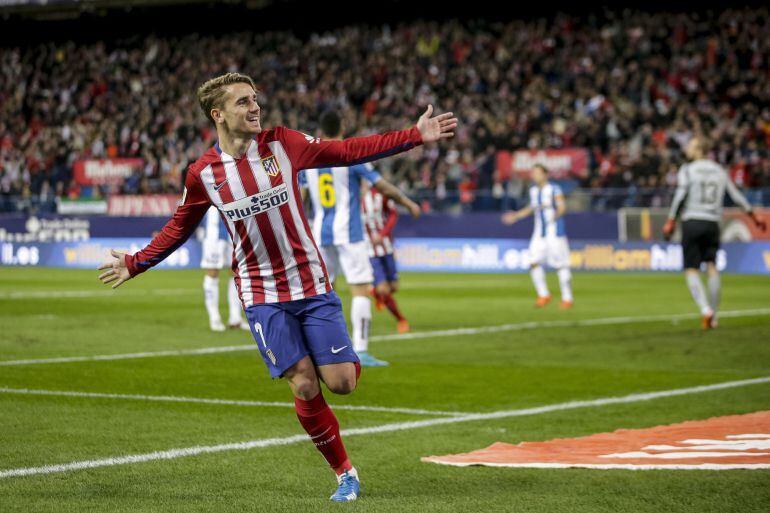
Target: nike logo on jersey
[257, 203]
[218, 186]
[336, 350]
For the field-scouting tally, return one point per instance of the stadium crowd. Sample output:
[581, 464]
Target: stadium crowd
[628, 86]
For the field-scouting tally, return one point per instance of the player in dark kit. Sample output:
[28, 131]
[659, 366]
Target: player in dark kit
[701, 186]
[296, 318]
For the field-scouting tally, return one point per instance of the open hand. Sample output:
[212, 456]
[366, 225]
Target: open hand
[760, 223]
[510, 218]
[434, 128]
[116, 269]
[414, 209]
[668, 229]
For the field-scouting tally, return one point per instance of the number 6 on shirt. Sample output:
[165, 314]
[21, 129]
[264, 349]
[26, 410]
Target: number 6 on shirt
[326, 189]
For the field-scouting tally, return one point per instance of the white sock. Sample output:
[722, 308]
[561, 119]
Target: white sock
[211, 298]
[538, 278]
[715, 290]
[360, 318]
[698, 293]
[234, 303]
[565, 283]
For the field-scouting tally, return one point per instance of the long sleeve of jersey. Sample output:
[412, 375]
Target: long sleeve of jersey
[307, 152]
[681, 192]
[195, 204]
[736, 195]
[389, 209]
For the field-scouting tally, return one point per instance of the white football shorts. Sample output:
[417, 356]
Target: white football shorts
[217, 254]
[551, 251]
[352, 258]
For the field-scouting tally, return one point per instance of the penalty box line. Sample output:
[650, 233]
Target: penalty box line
[225, 402]
[384, 428]
[603, 321]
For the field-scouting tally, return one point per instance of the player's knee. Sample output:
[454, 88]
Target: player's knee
[343, 383]
[383, 289]
[393, 287]
[303, 379]
[342, 386]
[305, 388]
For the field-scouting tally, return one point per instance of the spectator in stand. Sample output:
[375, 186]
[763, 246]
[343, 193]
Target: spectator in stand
[625, 85]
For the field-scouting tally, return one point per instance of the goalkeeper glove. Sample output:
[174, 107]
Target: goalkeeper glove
[668, 229]
[761, 224]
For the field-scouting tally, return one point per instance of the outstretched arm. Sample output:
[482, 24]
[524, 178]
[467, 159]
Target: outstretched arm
[736, 195]
[517, 215]
[740, 200]
[307, 152]
[122, 267]
[391, 191]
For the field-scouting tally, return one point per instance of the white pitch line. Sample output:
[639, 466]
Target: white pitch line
[408, 336]
[384, 428]
[564, 324]
[74, 294]
[229, 402]
[130, 356]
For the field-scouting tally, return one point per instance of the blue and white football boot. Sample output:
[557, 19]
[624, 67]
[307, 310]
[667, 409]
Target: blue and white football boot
[368, 360]
[348, 487]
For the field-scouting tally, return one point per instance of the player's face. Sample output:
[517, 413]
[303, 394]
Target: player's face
[241, 112]
[539, 176]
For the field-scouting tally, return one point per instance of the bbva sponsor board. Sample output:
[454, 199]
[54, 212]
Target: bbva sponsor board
[422, 255]
[504, 255]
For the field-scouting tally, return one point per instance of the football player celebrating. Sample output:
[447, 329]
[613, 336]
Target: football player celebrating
[549, 239]
[296, 319]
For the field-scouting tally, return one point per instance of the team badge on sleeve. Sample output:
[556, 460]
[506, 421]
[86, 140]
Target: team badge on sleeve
[271, 166]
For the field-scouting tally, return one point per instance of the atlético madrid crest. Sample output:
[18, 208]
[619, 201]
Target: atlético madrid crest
[271, 166]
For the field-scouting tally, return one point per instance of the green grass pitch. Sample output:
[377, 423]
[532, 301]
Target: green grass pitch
[56, 313]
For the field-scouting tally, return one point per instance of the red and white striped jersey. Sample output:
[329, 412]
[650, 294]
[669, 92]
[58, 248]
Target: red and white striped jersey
[275, 258]
[379, 215]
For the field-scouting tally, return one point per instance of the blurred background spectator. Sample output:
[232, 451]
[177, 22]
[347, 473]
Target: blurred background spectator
[630, 87]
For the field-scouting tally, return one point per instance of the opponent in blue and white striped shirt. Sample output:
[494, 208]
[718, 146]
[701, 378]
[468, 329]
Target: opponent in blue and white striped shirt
[336, 196]
[335, 193]
[549, 239]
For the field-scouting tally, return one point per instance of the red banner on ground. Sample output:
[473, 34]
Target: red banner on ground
[105, 171]
[561, 163]
[147, 205]
[734, 442]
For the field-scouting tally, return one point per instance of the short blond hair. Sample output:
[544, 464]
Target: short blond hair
[212, 93]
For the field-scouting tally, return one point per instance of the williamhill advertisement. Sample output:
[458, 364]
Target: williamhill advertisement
[422, 255]
[503, 255]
